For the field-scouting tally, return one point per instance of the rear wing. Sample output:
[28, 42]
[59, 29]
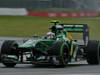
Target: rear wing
[74, 27]
[78, 28]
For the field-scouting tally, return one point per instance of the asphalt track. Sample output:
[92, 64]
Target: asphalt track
[71, 69]
[78, 68]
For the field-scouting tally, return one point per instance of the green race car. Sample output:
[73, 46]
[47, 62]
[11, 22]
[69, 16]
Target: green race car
[56, 48]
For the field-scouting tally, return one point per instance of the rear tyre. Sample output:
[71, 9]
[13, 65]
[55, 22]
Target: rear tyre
[9, 48]
[60, 53]
[93, 52]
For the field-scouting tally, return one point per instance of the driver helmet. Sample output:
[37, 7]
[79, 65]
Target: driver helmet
[50, 35]
[59, 27]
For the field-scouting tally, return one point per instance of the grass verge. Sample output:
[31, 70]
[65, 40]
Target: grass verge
[26, 26]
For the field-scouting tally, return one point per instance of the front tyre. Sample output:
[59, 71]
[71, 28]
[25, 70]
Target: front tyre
[9, 48]
[60, 53]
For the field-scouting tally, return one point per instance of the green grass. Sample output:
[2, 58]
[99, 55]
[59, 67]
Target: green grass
[26, 26]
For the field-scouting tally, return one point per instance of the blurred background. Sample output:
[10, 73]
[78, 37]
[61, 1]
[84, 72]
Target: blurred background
[23, 18]
[50, 6]
[80, 5]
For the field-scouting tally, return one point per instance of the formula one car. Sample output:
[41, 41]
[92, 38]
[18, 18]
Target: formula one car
[56, 48]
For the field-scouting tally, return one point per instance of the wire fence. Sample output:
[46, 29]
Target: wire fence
[66, 4]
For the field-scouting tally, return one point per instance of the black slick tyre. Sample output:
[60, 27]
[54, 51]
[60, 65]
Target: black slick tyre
[60, 53]
[9, 47]
[93, 52]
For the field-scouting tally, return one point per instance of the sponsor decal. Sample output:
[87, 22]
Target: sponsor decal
[63, 14]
